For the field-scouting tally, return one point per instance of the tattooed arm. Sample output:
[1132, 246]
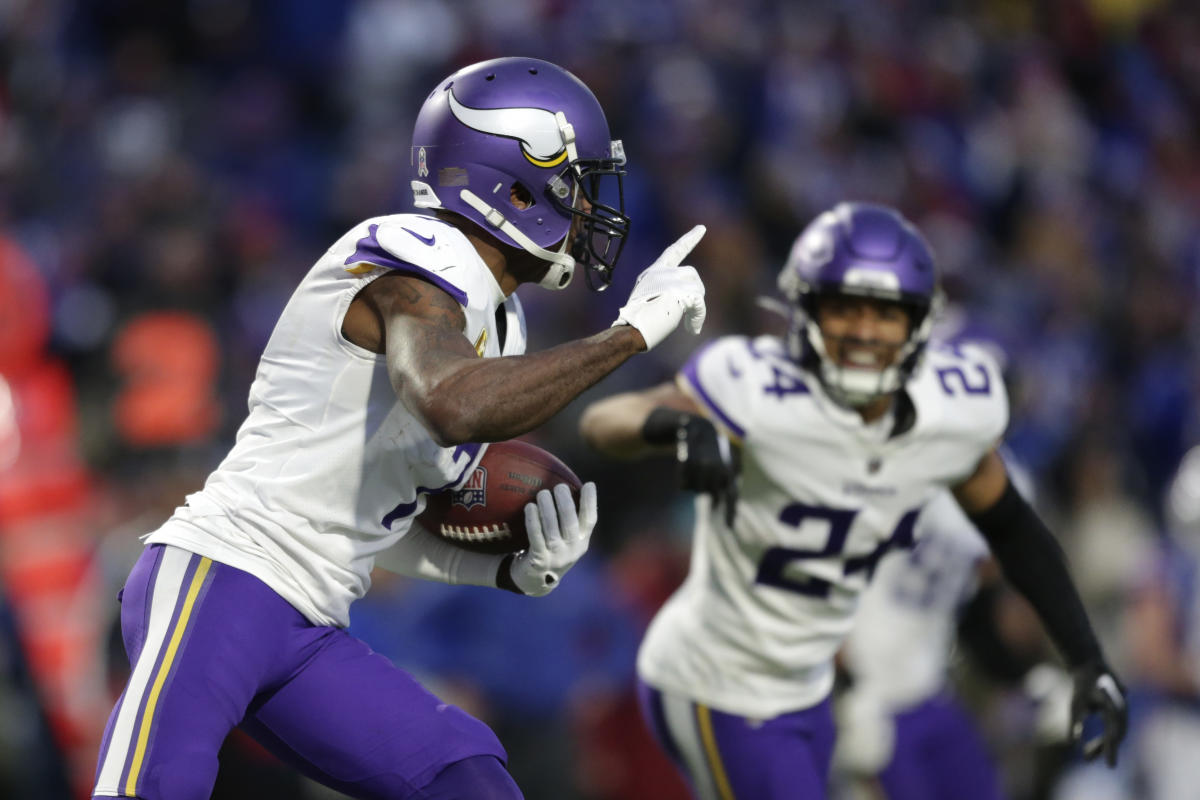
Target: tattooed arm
[458, 396]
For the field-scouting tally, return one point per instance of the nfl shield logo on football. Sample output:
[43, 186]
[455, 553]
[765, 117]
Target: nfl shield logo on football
[474, 491]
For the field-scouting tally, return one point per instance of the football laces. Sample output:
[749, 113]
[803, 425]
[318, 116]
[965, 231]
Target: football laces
[476, 533]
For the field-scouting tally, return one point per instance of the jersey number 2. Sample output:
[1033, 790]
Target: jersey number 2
[772, 570]
[967, 383]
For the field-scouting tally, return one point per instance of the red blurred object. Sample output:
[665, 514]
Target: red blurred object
[169, 361]
[47, 546]
[619, 759]
[40, 469]
[24, 310]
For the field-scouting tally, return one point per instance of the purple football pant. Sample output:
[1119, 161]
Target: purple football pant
[212, 647]
[727, 757]
[939, 756]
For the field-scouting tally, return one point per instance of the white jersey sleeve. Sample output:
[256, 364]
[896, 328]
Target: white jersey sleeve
[422, 554]
[714, 378]
[329, 468]
[824, 496]
[738, 381]
[960, 396]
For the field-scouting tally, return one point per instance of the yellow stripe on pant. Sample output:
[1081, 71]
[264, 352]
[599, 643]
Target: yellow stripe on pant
[704, 721]
[164, 670]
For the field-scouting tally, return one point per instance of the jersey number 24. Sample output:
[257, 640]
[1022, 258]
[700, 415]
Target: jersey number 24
[772, 570]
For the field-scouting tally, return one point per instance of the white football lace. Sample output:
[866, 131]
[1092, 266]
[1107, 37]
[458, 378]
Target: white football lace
[476, 533]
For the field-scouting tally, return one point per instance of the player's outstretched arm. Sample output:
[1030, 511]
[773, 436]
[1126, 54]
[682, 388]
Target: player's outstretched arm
[462, 398]
[1034, 563]
[614, 426]
[634, 424]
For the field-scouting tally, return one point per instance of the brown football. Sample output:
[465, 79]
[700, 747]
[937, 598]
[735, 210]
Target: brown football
[487, 514]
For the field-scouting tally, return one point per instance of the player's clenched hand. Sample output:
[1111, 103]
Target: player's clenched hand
[708, 463]
[665, 293]
[1098, 692]
[558, 537]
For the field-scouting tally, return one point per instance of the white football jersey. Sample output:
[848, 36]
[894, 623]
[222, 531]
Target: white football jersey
[329, 467]
[899, 650]
[907, 623]
[766, 604]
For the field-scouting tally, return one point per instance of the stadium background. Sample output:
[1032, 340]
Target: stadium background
[168, 171]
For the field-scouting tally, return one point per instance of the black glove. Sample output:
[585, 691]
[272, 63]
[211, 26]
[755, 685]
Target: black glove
[1097, 691]
[708, 462]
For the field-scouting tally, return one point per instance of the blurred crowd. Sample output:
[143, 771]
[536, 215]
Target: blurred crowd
[168, 172]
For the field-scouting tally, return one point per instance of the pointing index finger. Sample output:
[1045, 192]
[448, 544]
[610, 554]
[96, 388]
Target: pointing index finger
[674, 255]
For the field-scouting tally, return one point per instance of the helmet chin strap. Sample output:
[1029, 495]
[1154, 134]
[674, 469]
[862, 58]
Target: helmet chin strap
[856, 388]
[562, 265]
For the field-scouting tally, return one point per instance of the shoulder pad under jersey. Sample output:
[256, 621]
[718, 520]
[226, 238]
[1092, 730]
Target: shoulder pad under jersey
[734, 377]
[418, 244]
[961, 390]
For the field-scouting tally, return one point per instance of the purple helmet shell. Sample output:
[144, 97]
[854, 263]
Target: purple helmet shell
[864, 249]
[528, 125]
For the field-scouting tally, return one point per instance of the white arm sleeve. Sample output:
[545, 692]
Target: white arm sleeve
[420, 554]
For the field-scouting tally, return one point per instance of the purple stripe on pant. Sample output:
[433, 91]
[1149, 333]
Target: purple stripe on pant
[188, 575]
[316, 695]
[133, 648]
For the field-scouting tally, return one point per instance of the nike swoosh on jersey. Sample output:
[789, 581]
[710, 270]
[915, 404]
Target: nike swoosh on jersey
[429, 240]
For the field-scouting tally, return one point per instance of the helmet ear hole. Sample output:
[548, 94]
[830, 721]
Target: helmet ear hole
[520, 196]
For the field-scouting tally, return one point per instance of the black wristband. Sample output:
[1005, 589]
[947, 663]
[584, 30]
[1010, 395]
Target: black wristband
[1035, 565]
[504, 575]
[663, 424]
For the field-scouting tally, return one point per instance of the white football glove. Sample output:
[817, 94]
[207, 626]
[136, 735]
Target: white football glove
[866, 738]
[558, 537]
[666, 293]
[1051, 688]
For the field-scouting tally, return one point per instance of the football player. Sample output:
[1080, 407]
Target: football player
[398, 357]
[898, 721]
[844, 428]
[1163, 630]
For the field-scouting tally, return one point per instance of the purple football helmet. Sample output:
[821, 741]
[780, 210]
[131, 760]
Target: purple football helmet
[528, 125]
[860, 250]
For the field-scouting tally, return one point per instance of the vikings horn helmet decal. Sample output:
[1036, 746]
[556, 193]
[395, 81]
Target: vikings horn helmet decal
[521, 147]
[535, 128]
[861, 250]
